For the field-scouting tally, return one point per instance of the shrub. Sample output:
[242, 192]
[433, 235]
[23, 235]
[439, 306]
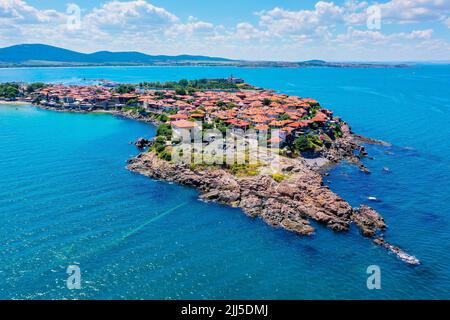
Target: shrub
[244, 169]
[307, 143]
[162, 117]
[180, 91]
[278, 177]
[9, 90]
[35, 86]
[125, 88]
[283, 116]
[131, 102]
[164, 130]
[266, 101]
[165, 155]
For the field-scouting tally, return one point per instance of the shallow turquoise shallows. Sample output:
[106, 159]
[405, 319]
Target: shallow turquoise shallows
[67, 199]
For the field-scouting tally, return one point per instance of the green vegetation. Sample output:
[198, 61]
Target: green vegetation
[266, 102]
[125, 88]
[164, 130]
[181, 91]
[9, 90]
[160, 148]
[136, 110]
[131, 102]
[32, 87]
[278, 177]
[336, 132]
[165, 155]
[244, 169]
[283, 116]
[245, 86]
[308, 142]
[163, 134]
[313, 109]
[190, 86]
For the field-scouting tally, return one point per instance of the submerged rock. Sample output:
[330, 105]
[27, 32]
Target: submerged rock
[402, 255]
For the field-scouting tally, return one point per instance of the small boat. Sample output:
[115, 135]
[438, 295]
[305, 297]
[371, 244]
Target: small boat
[375, 199]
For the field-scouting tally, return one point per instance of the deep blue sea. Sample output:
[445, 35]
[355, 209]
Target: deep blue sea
[66, 198]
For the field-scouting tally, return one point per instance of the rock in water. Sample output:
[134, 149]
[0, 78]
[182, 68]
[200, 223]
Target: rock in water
[141, 143]
[402, 255]
[368, 220]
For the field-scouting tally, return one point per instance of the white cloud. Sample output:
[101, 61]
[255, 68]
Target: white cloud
[132, 15]
[420, 34]
[377, 38]
[192, 27]
[325, 29]
[408, 11]
[447, 22]
[279, 20]
[17, 11]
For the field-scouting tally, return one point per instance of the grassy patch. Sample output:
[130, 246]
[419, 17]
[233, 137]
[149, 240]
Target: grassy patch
[278, 177]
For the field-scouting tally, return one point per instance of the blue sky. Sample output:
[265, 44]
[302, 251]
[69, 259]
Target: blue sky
[341, 30]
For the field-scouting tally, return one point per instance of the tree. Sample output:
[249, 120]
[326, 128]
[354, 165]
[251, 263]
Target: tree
[180, 91]
[184, 83]
[307, 143]
[131, 102]
[266, 101]
[283, 116]
[162, 118]
[35, 86]
[9, 90]
[164, 130]
[125, 88]
[159, 145]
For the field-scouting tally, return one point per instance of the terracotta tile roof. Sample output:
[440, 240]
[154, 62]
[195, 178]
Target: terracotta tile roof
[183, 124]
[298, 124]
[178, 116]
[262, 127]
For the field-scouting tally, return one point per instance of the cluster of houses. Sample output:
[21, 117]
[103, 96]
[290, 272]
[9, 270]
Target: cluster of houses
[79, 97]
[261, 110]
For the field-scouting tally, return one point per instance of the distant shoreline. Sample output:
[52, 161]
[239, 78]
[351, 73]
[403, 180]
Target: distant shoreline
[257, 65]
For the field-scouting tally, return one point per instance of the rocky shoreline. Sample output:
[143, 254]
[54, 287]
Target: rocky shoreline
[290, 204]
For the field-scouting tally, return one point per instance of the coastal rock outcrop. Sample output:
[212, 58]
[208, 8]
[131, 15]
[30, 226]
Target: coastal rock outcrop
[289, 204]
[141, 143]
[368, 220]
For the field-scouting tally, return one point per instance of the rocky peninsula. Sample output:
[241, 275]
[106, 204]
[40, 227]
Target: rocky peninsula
[308, 137]
[290, 204]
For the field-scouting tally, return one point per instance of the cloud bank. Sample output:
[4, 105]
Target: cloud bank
[325, 30]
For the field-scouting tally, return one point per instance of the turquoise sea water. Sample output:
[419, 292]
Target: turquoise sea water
[66, 198]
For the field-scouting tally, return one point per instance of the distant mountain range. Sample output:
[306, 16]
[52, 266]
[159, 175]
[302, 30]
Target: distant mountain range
[33, 55]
